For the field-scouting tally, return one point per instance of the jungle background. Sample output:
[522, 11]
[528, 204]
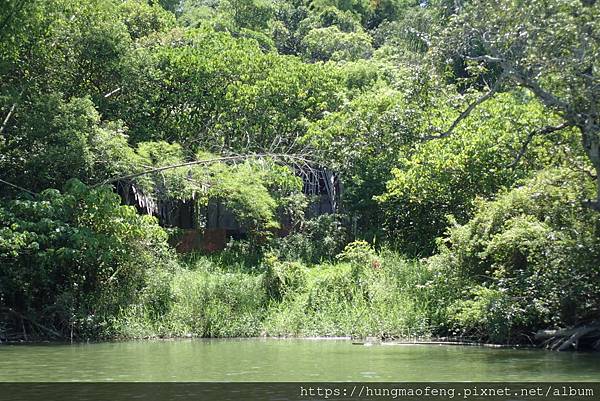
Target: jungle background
[465, 136]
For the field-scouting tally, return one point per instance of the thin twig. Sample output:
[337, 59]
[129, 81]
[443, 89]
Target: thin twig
[488, 95]
[18, 187]
[546, 130]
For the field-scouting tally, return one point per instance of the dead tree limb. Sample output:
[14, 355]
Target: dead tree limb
[546, 130]
[10, 112]
[7, 118]
[294, 159]
[566, 339]
[33, 322]
[573, 341]
[10, 184]
[488, 95]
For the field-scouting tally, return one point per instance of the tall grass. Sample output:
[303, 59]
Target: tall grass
[390, 299]
[200, 300]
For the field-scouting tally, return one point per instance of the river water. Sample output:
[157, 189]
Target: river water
[287, 360]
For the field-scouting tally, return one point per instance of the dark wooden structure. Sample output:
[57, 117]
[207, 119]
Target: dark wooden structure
[210, 228]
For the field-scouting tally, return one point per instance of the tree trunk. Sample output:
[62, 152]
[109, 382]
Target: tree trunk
[591, 143]
[597, 167]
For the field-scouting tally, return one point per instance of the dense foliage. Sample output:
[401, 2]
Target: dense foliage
[527, 259]
[71, 260]
[465, 133]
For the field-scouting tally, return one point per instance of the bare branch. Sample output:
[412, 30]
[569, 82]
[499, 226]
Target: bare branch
[488, 95]
[10, 184]
[109, 94]
[284, 157]
[5, 122]
[486, 58]
[546, 130]
[10, 112]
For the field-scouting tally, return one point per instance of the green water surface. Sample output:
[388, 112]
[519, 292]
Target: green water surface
[287, 360]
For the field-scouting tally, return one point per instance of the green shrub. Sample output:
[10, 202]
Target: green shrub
[238, 256]
[359, 253]
[527, 260]
[394, 298]
[316, 240]
[489, 314]
[70, 260]
[283, 277]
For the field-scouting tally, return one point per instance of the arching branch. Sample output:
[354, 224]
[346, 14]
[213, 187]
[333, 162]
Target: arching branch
[488, 95]
[546, 130]
[288, 158]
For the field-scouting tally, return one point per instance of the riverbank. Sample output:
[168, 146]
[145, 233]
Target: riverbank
[359, 294]
[387, 299]
[369, 341]
[384, 297]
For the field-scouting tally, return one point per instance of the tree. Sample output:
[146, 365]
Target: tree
[363, 142]
[208, 90]
[391, 10]
[142, 18]
[71, 260]
[551, 48]
[444, 177]
[527, 259]
[363, 9]
[332, 44]
[56, 140]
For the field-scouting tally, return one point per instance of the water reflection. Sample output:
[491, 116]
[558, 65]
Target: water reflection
[287, 360]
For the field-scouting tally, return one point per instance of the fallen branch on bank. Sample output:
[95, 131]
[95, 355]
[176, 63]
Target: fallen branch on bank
[31, 321]
[585, 337]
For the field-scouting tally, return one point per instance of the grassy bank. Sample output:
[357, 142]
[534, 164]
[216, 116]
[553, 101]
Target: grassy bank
[386, 296]
[526, 261]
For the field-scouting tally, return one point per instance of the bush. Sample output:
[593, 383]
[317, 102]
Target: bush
[317, 239]
[283, 278]
[489, 314]
[70, 260]
[390, 299]
[359, 253]
[527, 260]
[238, 256]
